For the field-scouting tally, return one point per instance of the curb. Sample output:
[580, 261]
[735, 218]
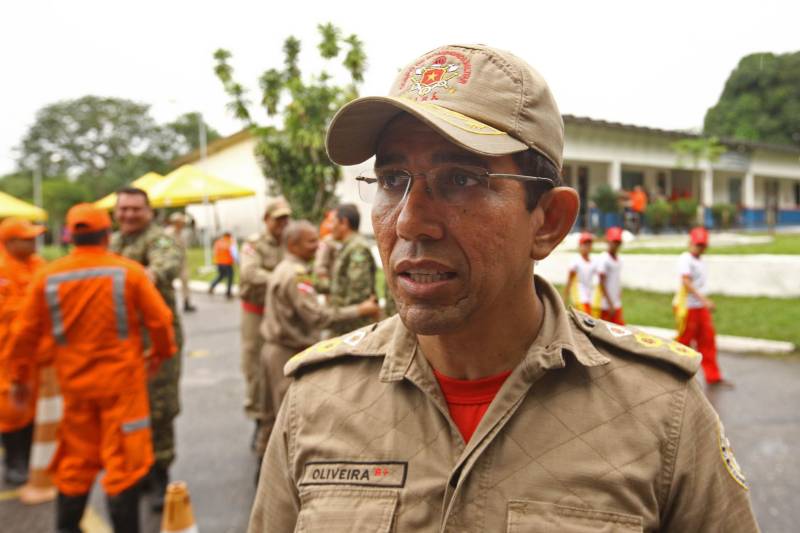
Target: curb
[731, 343]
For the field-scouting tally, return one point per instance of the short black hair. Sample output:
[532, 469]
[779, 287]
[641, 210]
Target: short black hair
[532, 163]
[89, 239]
[135, 190]
[349, 212]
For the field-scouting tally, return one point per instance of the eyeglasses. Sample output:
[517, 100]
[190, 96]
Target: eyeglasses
[451, 184]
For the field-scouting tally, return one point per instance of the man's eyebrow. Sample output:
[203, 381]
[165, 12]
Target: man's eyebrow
[382, 160]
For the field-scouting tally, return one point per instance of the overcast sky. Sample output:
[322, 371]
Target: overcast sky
[658, 64]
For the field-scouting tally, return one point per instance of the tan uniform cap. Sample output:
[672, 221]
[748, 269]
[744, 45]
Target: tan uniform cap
[486, 100]
[277, 208]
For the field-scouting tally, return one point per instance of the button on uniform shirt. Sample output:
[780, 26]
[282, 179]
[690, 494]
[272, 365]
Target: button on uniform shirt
[599, 428]
[695, 268]
[612, 268]
[584, 275]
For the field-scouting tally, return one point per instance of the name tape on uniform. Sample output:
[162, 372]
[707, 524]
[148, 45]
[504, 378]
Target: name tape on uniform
[389, 474]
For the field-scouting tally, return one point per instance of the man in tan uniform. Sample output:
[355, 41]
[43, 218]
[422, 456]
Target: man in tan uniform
[261, 253]
[177, 232]
[296, 318]
[486, 405]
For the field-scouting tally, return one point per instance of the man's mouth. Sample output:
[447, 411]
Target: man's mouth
[426, 276]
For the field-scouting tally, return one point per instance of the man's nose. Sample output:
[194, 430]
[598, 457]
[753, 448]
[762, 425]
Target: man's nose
[420, 216]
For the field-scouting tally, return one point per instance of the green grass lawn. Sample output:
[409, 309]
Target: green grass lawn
[197, 263]
[761, 318]
[782, 244]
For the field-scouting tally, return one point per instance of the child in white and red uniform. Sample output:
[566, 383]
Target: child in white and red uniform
[580, 278]
[693, 308]
[609, 277]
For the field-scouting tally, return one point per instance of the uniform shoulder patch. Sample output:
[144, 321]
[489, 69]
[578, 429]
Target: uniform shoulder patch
[637, 342]
[355, 343]
[731, 465]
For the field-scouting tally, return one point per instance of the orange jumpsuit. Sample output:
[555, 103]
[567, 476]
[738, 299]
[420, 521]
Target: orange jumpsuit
[15, 276]
[94, 304]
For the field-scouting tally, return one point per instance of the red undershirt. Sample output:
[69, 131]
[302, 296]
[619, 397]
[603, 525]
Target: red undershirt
[468, 399]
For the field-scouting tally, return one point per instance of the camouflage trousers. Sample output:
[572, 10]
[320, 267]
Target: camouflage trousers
[164, 394]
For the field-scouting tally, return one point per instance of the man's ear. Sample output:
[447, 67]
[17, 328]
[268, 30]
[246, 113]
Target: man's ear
[559, 208]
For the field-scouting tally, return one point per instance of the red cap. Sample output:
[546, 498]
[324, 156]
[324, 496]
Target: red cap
[86, 218]
[17, 228]
[699, 235]
[585, 237]
[614, 233]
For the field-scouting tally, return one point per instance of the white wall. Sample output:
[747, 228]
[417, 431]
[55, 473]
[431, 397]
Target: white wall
[236, 164]
[753, 275]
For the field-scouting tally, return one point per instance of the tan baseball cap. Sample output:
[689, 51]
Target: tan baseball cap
[277, 208]
[485, 100]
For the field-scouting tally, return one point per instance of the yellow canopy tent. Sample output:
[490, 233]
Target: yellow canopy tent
[189, 185]
[13, 207]
[145, 183]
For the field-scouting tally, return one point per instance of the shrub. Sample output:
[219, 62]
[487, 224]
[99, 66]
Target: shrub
[657, 215]
[684, 213]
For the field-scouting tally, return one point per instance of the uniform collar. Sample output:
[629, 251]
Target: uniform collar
[93, 249]
[294, 259]
[557, 336]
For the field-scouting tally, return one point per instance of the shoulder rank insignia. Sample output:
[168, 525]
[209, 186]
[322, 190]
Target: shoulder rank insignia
[635, 341]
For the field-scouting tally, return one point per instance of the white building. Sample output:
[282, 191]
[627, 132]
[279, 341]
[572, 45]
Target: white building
[763, 180]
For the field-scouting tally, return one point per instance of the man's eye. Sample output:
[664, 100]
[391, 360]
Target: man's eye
[461, 177]
[392, 180]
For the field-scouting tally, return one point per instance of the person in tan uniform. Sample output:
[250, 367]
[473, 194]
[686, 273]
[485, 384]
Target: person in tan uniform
[485, 405]
[176, 230]
[260, 254]
[296, 318]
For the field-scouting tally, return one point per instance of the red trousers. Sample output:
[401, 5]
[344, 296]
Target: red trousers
[614, 316]
[699, 334]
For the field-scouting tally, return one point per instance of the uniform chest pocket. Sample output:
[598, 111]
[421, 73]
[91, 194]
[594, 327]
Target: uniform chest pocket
[541, 517]
[340, 510]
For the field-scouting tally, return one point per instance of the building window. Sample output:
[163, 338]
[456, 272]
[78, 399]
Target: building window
[631, 179]
[735, 191]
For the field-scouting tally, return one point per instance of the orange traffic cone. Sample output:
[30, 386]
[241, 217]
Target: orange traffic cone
[178, 516]
[39, 488]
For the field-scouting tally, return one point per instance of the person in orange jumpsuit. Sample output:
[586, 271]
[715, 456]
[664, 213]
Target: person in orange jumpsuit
[224, 258]
[18, 262]
[94, 304]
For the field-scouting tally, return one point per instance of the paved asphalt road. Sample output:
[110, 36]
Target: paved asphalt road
[760, 414]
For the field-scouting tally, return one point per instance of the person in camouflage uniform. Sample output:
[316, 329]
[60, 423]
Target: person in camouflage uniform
[261, 253]
[353, 278]
[143, 241]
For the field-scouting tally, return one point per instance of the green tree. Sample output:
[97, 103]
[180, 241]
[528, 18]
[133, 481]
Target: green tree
[103, 142]
[187, 131]
[19, 185]
[760, 101]
[698, 149]
[291, 150]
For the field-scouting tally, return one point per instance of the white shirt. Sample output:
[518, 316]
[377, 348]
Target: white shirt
[689, 265]
[584, 274]
[612, 269]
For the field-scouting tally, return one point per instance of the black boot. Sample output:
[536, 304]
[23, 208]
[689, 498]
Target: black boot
[69, 511]
[17, 445]
[159, 479]
[124, 510]
[188, 307]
